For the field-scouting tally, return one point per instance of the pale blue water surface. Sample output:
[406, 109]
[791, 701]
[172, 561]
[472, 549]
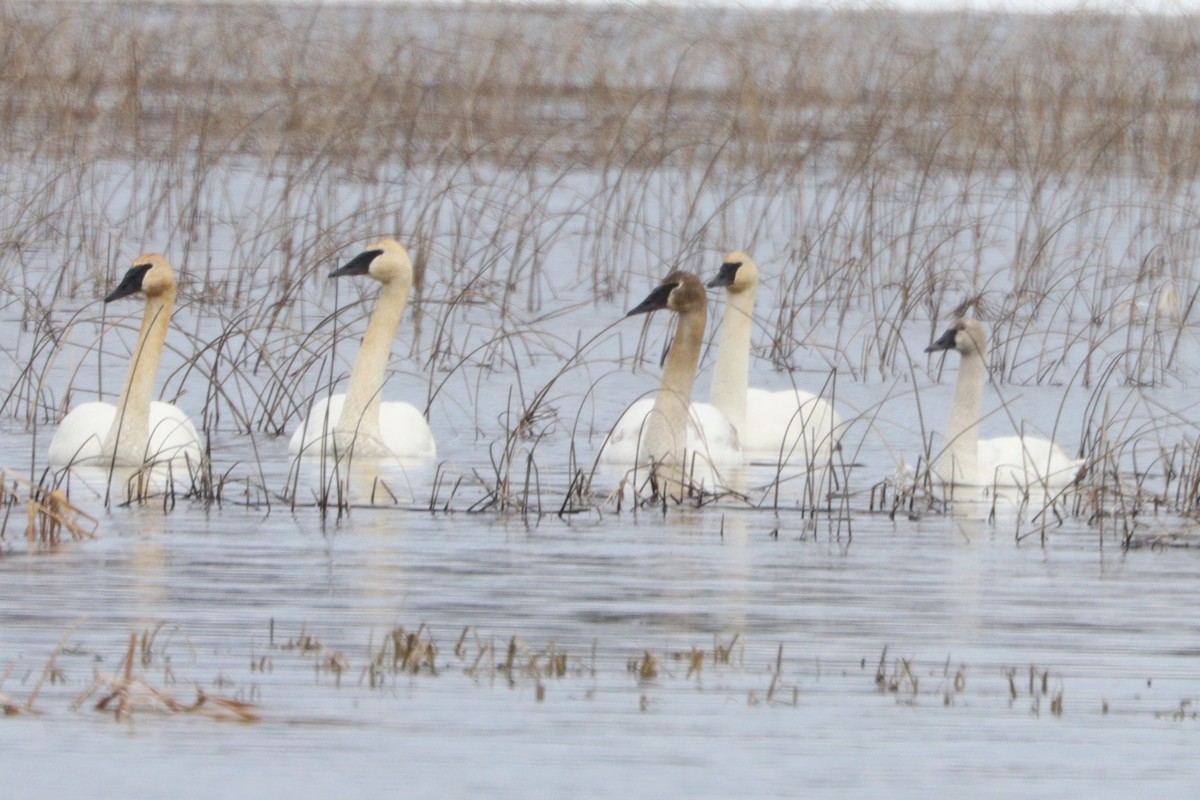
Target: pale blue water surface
[229, 588]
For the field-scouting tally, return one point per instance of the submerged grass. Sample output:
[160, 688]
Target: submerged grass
[278, 684]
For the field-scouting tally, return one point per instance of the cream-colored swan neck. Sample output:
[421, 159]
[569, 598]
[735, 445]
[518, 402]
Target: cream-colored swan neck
[732, 374]
[360, 415]
[666, 429]
[959, 459]
[129, 436]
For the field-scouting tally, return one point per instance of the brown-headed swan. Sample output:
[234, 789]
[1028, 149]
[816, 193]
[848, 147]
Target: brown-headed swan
[669, 428]
[358, 421]
[1007, 461]
[138, 430]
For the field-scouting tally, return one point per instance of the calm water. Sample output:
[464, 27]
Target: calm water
[951, 609]
[955, 596]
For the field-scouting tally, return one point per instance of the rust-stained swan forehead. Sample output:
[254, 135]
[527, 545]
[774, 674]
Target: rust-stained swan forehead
[680, 291]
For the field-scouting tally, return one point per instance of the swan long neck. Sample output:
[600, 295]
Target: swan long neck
[666, 432]
[732, 375]
[360, 415]
[129, 436]
[959, 459]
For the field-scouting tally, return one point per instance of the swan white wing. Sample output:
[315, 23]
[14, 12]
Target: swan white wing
[80, 436]
[792, 425]
[622, 444]
[709, 432]
[403, 432]
[1024, 461]
[173, 437]
[309, 438]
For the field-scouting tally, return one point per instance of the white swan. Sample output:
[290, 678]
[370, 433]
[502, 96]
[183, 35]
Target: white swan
[669, 429]
[358, 421]
[137, 431]
[1020, 461]
[787, 425]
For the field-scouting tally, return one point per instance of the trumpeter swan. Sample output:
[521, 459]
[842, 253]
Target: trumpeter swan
[359, 421]
[1022, 461]
[669, 429]
[786, 425]
[137, 431]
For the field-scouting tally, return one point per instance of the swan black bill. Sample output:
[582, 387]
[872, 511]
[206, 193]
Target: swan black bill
[131, 283]
[726, 276]
[944, 342]
[656, 300]
[359, 265]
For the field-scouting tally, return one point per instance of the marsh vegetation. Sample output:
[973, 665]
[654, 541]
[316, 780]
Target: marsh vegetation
[546, 166]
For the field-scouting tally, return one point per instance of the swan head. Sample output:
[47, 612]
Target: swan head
[151, 274]
[386, 261]
[681, 292]
[966, 335]
[738, 273]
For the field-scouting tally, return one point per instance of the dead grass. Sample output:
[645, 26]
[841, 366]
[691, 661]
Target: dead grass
[1060, 93]
[890, 171]
[49, 515]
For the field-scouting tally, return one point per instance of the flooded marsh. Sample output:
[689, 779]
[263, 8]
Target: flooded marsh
[501, 617]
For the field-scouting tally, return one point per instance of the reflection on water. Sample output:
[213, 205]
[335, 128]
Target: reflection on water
[360, 481]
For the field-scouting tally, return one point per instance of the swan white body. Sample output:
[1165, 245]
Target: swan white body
[138, 430]
[1007, 461]
[669, 430]
[402, 432]
[790, 425]
[359, 422]
[708, 432]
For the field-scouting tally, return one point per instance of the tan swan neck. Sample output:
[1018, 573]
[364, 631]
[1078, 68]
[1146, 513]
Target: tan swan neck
[129, 436]
[666, 433]
[959, 460]
[364, 394]
[732, 373]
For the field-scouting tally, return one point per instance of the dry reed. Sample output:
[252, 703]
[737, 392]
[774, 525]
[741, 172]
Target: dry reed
[1039, 171]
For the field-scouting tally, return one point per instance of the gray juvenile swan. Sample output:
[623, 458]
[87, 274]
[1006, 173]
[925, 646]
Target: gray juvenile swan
[137, 430]
[1021, 461]
[670, 428]
[790, 424]
[359, 421]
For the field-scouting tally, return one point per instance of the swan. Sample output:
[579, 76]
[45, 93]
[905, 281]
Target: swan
[137, 431]
[1012, 461]
[668, 428]
[358, 421]
[786, 425]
